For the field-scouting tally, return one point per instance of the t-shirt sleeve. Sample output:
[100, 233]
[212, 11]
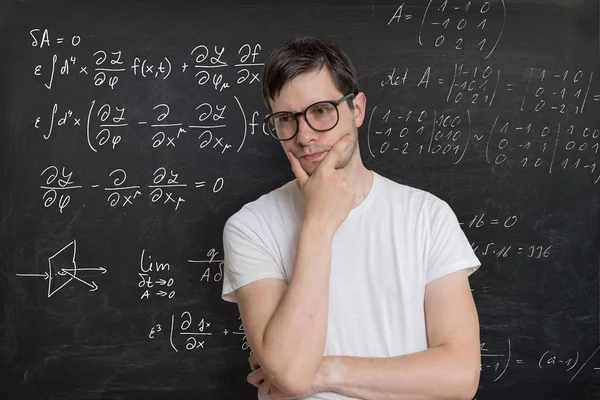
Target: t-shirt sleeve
[246, 255]
[449, 249]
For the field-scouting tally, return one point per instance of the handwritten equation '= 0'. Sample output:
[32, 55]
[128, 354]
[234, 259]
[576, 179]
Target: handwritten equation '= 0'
[164, 185]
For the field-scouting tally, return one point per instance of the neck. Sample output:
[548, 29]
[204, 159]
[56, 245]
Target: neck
[362, 186]
[361, 180]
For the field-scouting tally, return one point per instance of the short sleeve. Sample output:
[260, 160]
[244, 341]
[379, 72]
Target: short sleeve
[449, 249]
[246, 255]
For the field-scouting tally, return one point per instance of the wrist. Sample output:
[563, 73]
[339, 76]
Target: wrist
[317, 229]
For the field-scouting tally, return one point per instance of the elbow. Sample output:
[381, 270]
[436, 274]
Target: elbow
[293, 387]
[295, 380]
[292, 384]
[462, 383]
[291, 373]
[469, 383]
[464, 380]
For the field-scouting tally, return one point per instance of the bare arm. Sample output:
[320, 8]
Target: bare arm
[287, 326]
[449, 369]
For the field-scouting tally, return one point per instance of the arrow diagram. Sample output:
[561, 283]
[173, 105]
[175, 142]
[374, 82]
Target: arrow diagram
[62, 269]
[57, 273]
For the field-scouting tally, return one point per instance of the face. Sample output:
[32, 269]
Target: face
[310, 146]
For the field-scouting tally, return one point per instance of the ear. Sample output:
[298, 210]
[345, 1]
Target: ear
[360, 106]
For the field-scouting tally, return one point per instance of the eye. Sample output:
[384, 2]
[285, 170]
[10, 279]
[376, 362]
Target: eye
[282, 119]
[321, 110]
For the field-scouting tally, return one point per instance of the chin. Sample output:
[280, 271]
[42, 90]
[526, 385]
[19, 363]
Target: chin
[310, 171]
[340, 165]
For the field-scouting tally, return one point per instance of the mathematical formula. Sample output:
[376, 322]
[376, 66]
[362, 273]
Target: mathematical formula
[165, 184]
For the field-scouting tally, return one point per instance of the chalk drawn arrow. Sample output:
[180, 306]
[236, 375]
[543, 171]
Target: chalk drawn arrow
[93, 285]
[45, 275]
[101, 269]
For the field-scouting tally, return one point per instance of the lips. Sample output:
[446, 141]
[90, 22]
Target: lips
[314, 156]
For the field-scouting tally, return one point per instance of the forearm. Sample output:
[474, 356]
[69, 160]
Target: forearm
[295, 336]
[436, 373]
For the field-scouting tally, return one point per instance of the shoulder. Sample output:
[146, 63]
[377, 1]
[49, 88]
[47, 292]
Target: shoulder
[256, 214]
[409, 196]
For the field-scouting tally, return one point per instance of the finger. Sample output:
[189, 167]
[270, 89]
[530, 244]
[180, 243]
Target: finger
[256, 377]
[334, 153]
[297, 168]
[265, 388]
[253, 362]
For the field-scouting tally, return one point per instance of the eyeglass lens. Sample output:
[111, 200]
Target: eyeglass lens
[320, 117]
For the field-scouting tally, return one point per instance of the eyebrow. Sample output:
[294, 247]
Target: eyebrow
[303, 108]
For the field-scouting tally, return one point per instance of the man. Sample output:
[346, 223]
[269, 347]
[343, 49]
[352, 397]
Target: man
[349, 285]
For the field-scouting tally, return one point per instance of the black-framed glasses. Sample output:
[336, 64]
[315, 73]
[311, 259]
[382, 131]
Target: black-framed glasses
[320, 116]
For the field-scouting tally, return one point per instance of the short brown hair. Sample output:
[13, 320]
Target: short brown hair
[295, 56]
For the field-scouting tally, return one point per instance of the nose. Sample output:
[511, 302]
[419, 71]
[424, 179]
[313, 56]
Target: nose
[305, 134]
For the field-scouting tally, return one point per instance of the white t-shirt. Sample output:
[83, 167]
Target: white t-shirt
[390, 246]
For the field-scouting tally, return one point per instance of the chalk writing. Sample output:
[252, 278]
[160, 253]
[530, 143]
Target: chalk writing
[63, 269]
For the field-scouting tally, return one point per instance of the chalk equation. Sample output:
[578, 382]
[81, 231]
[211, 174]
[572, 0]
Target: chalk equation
[191, 334]
[109, 66]
[538, 89]
[106, 125]
[163, 189]
[213, 267]
[483, 220]
[156, 280]
[63, 269]
[240, 332]
[567, 361]
[455, 26]
[149, 271]
[531, 251]
[495, 363]
[194, 333]
[528, 146]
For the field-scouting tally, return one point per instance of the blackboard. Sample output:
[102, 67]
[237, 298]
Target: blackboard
[130, 132]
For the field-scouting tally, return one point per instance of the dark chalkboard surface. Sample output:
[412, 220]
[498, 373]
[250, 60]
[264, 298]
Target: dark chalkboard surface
[129, 133]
